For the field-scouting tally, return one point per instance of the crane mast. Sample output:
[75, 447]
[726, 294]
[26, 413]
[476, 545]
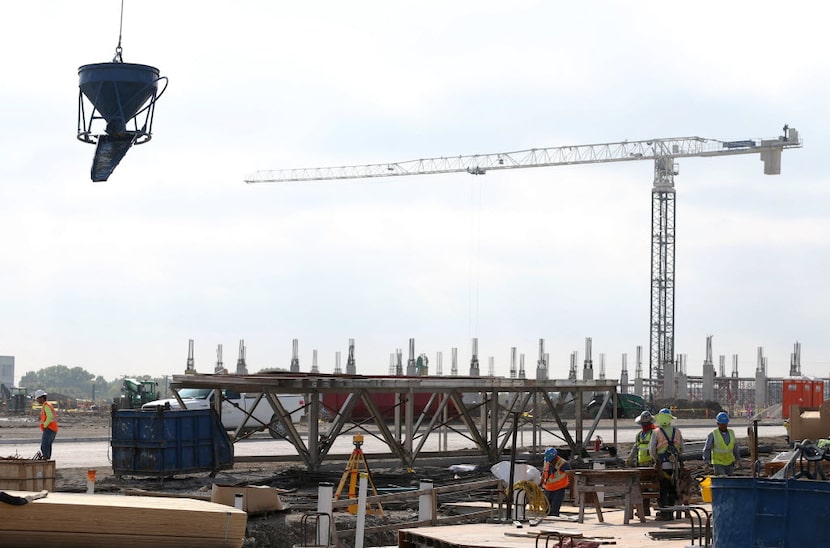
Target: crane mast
[663, 152]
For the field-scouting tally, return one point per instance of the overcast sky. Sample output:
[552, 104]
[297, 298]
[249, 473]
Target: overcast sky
[115, 277]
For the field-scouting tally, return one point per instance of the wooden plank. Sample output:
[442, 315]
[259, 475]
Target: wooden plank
[110, 517]
[134, 492]
[569, 532]
[27, 539]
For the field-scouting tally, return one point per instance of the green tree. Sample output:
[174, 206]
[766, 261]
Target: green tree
[78, 383]
[273, 370]
[75, 382]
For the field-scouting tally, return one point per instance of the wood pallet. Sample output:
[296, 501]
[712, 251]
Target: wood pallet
[81, 520]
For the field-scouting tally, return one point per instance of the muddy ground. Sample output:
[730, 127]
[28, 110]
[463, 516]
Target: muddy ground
[279, 529]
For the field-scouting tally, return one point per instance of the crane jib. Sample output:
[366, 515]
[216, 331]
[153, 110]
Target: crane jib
[480, 164]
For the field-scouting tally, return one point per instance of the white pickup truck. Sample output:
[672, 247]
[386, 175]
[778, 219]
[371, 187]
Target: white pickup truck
[232, 405]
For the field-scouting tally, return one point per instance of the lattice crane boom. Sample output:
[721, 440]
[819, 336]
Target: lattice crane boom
[479, 164]
[663, 152]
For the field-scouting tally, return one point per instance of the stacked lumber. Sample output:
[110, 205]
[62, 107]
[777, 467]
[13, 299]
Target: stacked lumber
[81, 520]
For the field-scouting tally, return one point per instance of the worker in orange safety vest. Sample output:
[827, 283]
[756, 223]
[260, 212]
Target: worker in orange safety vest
[48, 424]
[554, 479]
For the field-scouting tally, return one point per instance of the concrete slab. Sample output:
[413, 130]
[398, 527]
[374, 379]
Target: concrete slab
[633, 535]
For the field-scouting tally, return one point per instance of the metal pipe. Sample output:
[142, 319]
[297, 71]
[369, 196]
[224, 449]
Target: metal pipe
[325, 495]
[410, 363]
[426, 511]
[295, 356]
[512, 463]
[361, 509]
[474, 365]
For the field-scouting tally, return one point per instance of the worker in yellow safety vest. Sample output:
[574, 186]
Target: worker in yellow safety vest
[666, 449]
[554, 479]
[721, 448]
[639, 455]
[48, 425]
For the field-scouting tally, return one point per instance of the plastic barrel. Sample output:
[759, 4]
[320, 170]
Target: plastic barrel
[762, 513]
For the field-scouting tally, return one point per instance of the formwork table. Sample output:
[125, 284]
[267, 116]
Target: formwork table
[610, 482]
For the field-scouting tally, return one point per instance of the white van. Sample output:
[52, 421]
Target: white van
[232, 405]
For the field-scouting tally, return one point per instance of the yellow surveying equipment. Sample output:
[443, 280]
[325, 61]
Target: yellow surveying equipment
[352, 472]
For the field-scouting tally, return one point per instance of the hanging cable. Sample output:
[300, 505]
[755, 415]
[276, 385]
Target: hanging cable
[118, 58]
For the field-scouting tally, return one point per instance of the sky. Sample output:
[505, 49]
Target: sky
[116, 277]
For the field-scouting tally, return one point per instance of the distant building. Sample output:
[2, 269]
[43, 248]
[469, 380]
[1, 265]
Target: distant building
[7, 371]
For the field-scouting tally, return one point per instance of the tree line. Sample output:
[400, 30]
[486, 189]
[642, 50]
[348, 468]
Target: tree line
[78, 383]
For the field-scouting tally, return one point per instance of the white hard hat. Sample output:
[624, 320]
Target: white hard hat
[644, 418]
[39, 393]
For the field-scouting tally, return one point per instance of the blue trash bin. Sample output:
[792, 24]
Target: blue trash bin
[765, 513]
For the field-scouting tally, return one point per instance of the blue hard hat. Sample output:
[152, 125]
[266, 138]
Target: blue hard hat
[665, 410]
[722, 418]
[550, 454]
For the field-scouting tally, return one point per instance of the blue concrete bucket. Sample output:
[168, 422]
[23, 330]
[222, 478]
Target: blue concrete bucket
[761, 513]
[118, 91]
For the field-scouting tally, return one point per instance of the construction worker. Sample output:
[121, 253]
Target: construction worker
[48, 424]
[639, 455]
[554, 479]
[666, 449]
[721, 448]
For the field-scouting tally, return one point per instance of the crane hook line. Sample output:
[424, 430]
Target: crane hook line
[118, 50]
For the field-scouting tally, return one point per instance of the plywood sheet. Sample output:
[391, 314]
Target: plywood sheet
[71, 519]
[487, 535]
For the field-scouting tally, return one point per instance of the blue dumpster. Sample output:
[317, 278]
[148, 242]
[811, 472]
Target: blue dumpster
[168, 442]
[762, 513]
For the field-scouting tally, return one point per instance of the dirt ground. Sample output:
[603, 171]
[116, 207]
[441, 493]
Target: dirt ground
[280, 529]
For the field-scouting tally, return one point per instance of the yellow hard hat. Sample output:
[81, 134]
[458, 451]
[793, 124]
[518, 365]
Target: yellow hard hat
[663, 419]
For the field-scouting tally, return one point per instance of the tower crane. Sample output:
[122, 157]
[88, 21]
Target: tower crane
[663, 152]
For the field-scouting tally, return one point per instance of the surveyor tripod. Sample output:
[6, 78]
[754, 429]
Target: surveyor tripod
[357, 462]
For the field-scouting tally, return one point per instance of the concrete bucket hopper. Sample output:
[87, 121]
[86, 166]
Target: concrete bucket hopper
[122, 98]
